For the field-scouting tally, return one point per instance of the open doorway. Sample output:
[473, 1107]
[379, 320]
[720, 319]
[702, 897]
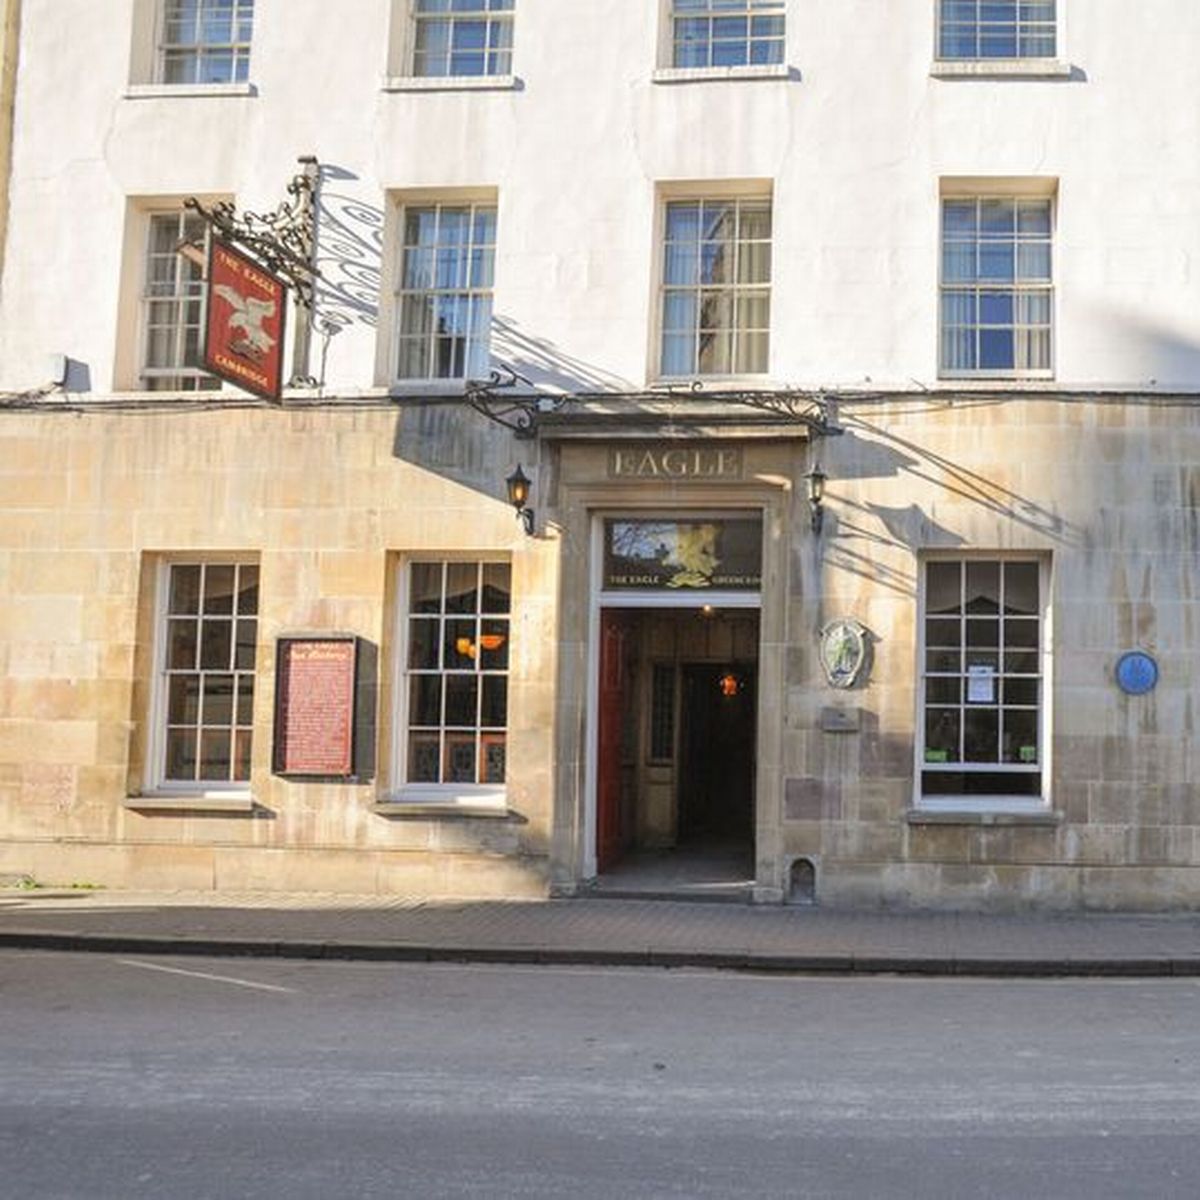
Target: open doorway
[675, 779]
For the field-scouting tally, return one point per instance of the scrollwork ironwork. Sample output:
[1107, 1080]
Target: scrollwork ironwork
[283, 240]
[517, 412]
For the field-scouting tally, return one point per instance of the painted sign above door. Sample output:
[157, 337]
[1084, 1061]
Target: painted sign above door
[649, 554]
[708, 463]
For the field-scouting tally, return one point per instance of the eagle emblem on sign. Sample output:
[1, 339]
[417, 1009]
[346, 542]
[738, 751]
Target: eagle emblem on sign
[247, 315]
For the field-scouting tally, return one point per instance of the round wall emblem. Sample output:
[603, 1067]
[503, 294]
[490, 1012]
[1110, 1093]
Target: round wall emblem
[843, 651]
[1137, 673]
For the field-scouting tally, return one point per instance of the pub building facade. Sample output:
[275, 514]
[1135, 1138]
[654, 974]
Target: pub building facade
[858, 559]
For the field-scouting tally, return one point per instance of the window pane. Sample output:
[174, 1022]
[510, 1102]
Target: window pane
[494, 710]
[943, 585]
[423, 644]
[185, 590]
[1022, 661]
[244, 650]
[943, 632]
[459, 648]
[943, 660]
[996, 349]
[245, 699]
[493, 646]
[218, 589]
[425, 700]
[216, 746]
[497, 587]
[1021, 588]
[218, 700]
[460, 758]
[423, 755]
[216, 645]
[492, 768]
[942, 734]
[181, 754]
[248, 590]
[181, 645]
[1021, 632]
[426, 588]
[1021, 691]
[981, 735]
[183, 700]
[940, 690]
[983, 633]
[1021, 736]
[462, 692]
[983, 588]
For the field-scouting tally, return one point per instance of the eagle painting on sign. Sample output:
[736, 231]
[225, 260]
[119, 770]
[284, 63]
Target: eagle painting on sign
[244, 322]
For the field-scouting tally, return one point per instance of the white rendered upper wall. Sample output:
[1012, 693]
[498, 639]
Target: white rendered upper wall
[854, 145]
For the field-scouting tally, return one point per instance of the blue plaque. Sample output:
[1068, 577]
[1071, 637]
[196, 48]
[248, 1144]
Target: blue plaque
[1137, 673]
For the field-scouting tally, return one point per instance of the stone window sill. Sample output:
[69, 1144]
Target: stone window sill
[451, 83]
[222, 802]
[1001, 68]
[422, 811]
[994, 383]
[176, 91]
[930, 816]
[715, 74]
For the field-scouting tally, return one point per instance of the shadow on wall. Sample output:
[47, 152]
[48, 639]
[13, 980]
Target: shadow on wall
[860, 534]
[545, 365]
[349, 255]
[1156, 357]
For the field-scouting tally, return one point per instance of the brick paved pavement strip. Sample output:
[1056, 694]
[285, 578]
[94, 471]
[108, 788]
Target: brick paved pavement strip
[603, 932]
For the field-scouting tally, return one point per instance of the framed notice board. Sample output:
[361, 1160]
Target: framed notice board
[316, 685]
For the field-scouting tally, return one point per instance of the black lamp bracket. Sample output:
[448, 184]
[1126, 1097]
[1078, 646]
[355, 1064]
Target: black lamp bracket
[497, 399]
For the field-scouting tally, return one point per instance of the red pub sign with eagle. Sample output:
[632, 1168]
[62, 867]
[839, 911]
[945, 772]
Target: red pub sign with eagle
[243, 341]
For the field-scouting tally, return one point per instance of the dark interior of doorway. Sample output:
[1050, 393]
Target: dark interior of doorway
[675, 777]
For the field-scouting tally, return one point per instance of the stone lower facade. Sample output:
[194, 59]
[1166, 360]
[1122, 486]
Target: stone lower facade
[852, 794]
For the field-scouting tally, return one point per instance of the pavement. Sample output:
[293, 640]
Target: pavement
[625, 932]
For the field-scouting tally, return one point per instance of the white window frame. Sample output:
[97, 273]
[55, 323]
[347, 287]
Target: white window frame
[409, 204]
[716, 193]
[452, 795]
[156, 782]
[978, 25]
[1002, 803]
[1031, 191]
[487, 16]
[179, 378]
[240, 51]
[749, 10]
[1053, 66]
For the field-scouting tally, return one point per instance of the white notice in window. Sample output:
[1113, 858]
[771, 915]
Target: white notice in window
[981, 683]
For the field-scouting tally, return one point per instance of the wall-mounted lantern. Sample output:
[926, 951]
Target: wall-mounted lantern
[518, 496]
[816, 497]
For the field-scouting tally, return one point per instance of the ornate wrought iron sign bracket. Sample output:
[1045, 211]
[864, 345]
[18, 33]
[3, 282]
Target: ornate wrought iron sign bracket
[498, 399]
[285, 243]
[815, 410]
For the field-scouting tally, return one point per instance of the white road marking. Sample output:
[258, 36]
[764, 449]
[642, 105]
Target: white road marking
[246, 983]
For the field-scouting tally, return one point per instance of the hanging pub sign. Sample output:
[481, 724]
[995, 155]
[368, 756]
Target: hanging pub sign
[651, 554]
[244, 321]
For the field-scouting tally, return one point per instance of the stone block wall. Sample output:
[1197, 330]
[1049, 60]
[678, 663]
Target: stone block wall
[1108, 489]
[327, 499]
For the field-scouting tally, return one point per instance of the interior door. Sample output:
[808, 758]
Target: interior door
[612, 831]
